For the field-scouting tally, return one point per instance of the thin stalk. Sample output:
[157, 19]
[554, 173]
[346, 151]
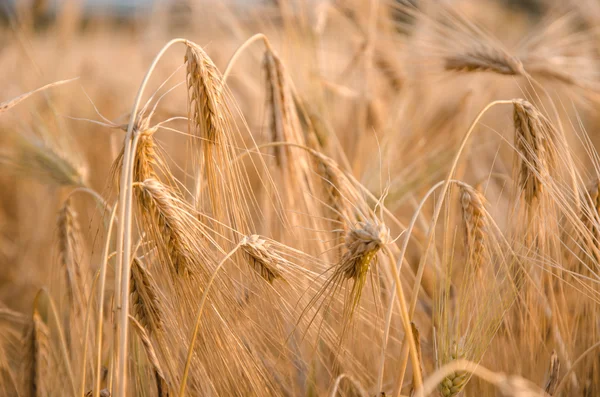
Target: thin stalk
[563, 381]
[124, 228]
[430, 232]
[405, 320]
[63, 344]
[86, 328]
[188, 361]
[96, 389]
[242, 48]
[388, 321]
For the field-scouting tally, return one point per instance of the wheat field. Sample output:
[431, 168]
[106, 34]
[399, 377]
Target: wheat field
[301, 198]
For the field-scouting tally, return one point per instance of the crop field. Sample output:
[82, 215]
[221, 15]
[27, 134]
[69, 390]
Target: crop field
[300, 198]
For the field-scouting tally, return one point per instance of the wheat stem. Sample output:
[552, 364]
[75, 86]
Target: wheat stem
[355, 383]
[104, 265]
[242, 48]
[436, 214]
[188, 361]
[405, 316]
[87, 324]
[388, 320]
[124, 227]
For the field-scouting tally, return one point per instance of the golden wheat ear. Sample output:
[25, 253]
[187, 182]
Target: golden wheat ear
[454, 383]
[485, 59]
[145, 300]
[36, 159]
[474, 217]
[262, 259]
[363, 242]
[166, 224]
[534, 137]
[162, 386]
[553, 374]
[36, 360]
[224, 182]
[6, 105]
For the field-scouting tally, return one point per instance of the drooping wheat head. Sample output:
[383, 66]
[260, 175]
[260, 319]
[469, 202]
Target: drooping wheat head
[162, 387]
[262, 260]
[363, 242]
[167, 226]
[43, 162]
[145, 299]
[212, 127]
[485, 59]
[534, 135]
[474, 213]
[37, 356]
[68, 231]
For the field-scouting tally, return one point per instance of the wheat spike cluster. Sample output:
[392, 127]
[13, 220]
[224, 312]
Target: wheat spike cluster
[300, 198]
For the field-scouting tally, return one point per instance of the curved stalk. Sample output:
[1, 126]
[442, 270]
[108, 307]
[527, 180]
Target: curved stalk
[188, 361]
[96, 389]
[124, 228]
[430, 233]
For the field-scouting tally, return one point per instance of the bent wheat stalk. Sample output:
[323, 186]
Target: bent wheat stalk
[124, 241]
[436, 214]
[190, 354]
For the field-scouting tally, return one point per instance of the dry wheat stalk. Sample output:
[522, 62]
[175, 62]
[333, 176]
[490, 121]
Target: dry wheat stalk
[11, 316]
[534, 135]
[37, 356]
[147, 160]
[263, 261]
[162, 386]
[145, 301]
[417, 337]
